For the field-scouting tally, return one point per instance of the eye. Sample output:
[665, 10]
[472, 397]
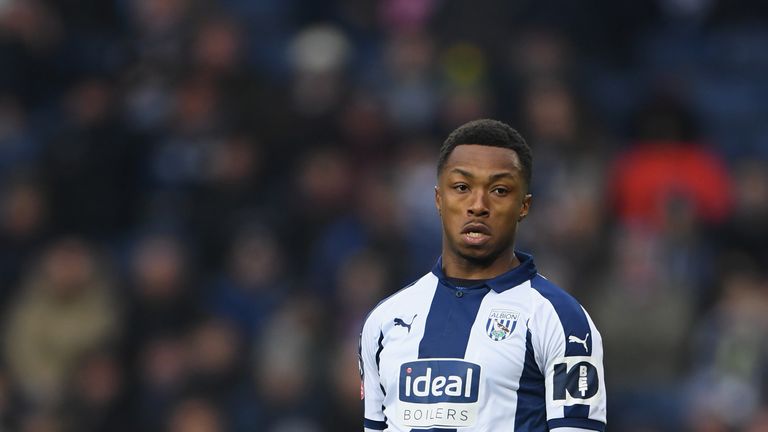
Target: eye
[460, 187]
[500, 191]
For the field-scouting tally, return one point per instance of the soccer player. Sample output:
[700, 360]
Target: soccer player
[483, 342]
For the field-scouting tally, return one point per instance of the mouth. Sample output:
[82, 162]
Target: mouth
[476, 234]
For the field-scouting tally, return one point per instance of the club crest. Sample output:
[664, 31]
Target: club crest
[501, 324]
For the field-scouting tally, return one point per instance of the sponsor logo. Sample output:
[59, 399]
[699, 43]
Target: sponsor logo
[439, 393]
[501, 324]
[430, 381]
[573, 338]
[401, 323]
[575, 380]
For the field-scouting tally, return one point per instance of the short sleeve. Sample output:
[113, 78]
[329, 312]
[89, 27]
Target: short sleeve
[569, 352]
[371, 391]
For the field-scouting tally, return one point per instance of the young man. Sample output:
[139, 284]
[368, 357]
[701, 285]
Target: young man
[482, 343]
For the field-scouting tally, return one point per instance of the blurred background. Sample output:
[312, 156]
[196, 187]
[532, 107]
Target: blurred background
[200, 200]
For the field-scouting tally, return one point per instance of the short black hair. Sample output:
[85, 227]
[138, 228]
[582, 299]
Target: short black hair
[488, 132]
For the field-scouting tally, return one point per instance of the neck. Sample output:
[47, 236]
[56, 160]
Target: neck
[459, 267]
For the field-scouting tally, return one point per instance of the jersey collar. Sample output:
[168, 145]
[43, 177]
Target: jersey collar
[510, 279]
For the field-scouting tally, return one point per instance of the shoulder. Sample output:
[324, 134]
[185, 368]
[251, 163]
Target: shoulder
[406, 295]
[549, 293]
[561, 316]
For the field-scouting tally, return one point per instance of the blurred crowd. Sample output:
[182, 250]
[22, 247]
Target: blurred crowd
[200, 200]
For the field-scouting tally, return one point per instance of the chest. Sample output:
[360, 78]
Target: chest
[476, 339]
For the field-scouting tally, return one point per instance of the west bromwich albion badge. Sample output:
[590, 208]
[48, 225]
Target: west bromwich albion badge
[501, 323]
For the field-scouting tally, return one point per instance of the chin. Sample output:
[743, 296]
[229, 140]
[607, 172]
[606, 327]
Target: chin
[478, 256]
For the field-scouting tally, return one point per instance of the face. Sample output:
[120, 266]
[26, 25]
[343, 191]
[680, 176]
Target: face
[481, 196]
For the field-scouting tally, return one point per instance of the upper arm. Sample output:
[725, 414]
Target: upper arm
[570, 355]
[371, 391]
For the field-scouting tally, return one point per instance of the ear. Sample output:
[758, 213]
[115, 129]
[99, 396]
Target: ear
[438, 201]
[525, 207]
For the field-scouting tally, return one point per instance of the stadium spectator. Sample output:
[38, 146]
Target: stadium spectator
[65, 307]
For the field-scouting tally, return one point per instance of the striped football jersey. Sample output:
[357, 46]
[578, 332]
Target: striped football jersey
[513, 353]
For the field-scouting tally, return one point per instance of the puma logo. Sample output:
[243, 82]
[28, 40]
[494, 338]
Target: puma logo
[400, 322]
[573, 338]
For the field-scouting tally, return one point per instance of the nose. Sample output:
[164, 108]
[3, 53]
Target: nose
[478, 205]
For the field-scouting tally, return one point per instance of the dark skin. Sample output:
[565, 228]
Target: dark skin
[481, 196]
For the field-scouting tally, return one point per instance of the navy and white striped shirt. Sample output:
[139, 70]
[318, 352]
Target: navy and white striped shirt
[514, 353]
